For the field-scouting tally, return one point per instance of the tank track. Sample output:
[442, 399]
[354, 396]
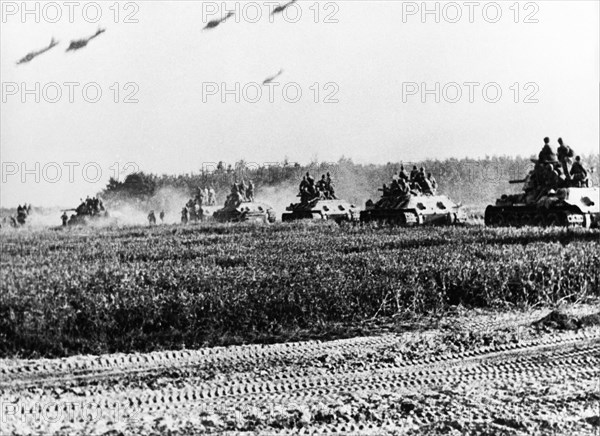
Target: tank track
[515, 216]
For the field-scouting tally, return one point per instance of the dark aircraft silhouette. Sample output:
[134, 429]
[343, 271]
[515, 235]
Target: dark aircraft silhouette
[80, 43]
[282, 7]
[34, 54]
[214, 23]
[270, 79]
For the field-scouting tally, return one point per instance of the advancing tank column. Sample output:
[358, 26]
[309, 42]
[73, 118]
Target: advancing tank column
[553, 194]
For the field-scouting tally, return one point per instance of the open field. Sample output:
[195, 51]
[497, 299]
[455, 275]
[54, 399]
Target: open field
[172, 287]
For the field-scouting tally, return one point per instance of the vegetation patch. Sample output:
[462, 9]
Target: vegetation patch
[139, 289]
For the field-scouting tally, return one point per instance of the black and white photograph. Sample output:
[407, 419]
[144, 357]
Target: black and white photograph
[300, 217]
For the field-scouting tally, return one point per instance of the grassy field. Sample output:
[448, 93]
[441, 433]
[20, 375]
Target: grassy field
[140, 289]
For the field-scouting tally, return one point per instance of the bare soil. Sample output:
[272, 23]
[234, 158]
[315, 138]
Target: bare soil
[472, 372]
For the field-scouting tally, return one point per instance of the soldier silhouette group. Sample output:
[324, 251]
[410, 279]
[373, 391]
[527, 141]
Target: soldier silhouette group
[91, 206]
[22, 213]
[240, 192]
[311, 190]
[551, 171]
[417, 182]
[192, 211]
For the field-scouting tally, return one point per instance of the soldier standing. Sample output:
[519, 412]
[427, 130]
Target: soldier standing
[329, 187]
[151, 218]
[184, 215]
[250, 191]
[242, 190]
[212, 196]
[64, 217]
[547, 155]
[564, 154]
[310, 188]
[162, 216]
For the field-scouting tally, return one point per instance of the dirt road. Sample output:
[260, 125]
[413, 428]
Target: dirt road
[466, 375]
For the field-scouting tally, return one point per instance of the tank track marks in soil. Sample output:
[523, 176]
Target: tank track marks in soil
[34, 372]
[559, 361]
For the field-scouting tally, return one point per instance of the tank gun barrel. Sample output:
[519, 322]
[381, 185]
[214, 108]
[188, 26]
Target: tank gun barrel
[514, 182]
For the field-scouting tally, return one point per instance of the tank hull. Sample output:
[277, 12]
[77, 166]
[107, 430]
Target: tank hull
[86, 219]
[245, 212]
[528, 215]
[325, 210]
[407, 218]
[577, 207]
[414, 210]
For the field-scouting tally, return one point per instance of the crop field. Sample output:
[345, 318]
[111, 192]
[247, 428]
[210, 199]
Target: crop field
[142, 289]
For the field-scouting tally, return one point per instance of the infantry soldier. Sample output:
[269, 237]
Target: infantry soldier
[64, 217]
[564, 157]
[432, 182]
[151, 218]
[414, 173]
[426, 185]
[321, 184]
[311, 189]
[250, 191]
[184, 215]
[551, 177]
[212, 196]
[242, 190]
[162, 216]
[309, 179]
[303, 187]
[547, 155]
[385, 190]
[329, 187]
[200, 197]
[422, 180]
[403, 187]
[578, 173]
[403, 174]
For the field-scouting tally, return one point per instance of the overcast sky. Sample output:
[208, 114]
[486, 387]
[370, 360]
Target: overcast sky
[368, 58]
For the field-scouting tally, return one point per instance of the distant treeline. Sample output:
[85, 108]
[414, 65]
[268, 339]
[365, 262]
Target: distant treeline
[471, 182]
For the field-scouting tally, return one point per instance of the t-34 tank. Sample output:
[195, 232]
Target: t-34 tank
[89, 210]
[319, 202]
[412, 208]
[319, 208]
[553, 194]
[240, 211]
[566, 206]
